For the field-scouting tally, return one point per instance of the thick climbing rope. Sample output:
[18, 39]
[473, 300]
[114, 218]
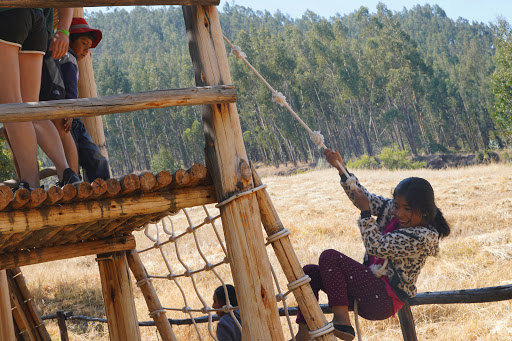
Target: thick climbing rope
[279, 98]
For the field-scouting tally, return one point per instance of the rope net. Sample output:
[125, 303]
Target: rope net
[186, 258]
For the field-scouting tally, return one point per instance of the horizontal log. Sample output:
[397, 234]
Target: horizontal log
[84, 107]
[481, 295]
[36, 256]
[104, 209]
[97, 3]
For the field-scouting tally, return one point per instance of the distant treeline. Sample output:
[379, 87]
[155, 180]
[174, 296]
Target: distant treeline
[413, 80]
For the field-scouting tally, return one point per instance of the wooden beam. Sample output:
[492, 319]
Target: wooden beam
[6, 322]
[106, 209]
[480, 295]
[149, 293]
[48, 254]
[226, 159]
[116, 104]
[85, 107]
[290, 264]
[407, 323]
[116, 287]
[96, 3]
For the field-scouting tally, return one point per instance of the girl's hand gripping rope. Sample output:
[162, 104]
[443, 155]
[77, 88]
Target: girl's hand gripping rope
[334, 158]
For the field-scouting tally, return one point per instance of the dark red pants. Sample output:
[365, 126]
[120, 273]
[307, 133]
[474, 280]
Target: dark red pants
[345, 280]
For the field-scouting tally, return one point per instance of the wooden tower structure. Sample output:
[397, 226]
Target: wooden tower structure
[99, 217]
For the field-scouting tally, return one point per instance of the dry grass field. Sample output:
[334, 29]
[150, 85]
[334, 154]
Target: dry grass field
[477, 202]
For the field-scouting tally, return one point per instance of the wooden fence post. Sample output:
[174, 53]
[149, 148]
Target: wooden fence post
[407, 323]
[118, 296]
[61, 321]
[226, 159]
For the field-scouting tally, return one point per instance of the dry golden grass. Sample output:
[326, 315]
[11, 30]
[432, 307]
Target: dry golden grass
[477, 201]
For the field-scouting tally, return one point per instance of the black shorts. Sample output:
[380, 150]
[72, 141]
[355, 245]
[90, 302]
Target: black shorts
[25, 28]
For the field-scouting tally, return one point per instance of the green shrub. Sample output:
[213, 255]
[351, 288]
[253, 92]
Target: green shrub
[164, 161]
[6, 166]
[365, 161]
[397, 159]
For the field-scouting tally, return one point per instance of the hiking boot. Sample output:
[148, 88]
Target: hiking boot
[22, 184]
[69, 177]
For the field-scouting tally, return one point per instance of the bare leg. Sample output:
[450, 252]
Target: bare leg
[68, 143]
[47, 135]
[302, 333]
[21, 134]
[341, 315]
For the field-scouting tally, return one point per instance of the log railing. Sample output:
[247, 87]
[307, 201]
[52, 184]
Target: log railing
[83, 107]
[96, 3]
[481, 295]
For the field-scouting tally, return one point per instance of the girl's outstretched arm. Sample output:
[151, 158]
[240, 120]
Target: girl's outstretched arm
[377, 203]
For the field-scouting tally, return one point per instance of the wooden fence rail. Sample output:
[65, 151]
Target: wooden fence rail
[481, 295]
[84, 107]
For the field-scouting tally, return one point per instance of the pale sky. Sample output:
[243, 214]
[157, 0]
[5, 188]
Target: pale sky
[473, 10]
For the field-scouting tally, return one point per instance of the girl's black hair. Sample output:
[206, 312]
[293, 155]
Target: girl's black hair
[75, 36]
[420, 196]
[219, 292]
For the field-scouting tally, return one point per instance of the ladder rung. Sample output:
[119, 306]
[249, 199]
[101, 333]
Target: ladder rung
[96, 3]
[95, 106]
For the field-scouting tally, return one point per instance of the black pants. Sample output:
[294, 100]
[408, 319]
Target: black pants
[90, 159]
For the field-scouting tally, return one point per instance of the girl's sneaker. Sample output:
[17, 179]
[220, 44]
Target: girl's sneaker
[69, 177]
[22, 184]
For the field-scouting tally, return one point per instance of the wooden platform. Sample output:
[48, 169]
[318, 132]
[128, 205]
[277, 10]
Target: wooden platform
[92, 218]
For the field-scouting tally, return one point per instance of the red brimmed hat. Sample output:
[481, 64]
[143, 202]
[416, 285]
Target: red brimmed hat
[79, 25]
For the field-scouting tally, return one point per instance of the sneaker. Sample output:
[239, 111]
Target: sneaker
[22, 184]
[69, 177]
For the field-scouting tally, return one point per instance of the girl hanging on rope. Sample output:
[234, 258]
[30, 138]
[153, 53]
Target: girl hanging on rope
[405, 232]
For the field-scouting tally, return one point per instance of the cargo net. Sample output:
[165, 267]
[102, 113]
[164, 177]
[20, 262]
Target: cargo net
[186, 259]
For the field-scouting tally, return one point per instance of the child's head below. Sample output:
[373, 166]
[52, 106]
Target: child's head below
[415, 205]
[82, 37]
[219, 298]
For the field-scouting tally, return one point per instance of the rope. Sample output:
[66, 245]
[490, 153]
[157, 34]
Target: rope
[277, 236]
[279, 98]
[238, 195]
[322, 331]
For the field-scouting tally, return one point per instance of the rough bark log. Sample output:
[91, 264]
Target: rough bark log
[290, 264]
[152, 301]
[105, 209]
[87, 107]
[224, 151]
[42, 255]
[118, 297]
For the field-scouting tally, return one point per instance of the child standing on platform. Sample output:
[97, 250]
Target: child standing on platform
[78, 144]
[405, 232]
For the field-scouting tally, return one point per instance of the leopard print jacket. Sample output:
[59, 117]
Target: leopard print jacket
[405, 249]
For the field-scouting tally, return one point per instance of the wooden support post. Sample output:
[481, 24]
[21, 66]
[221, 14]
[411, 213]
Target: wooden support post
[407, 323]
[86, 89]
[290, 264]
[61, 321]
[159, 316]
[118, 296]
[24, 309]
[226, 159]
[6, 324]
